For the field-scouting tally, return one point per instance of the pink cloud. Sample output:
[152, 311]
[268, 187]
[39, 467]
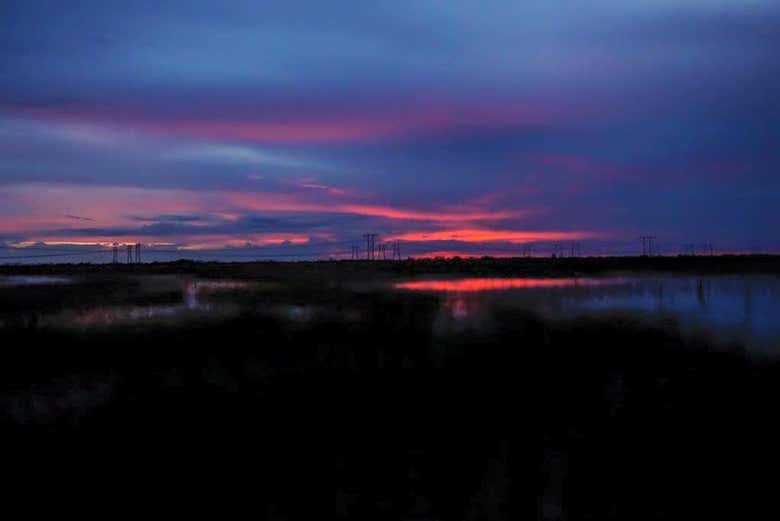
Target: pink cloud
[489, 235]
[40, 212]
[292, 203]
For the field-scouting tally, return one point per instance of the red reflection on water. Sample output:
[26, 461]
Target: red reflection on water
[495, 284]
[459, 306]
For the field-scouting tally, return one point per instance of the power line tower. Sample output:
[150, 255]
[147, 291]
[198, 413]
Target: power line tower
[370, 245]
[526, 250]
[138, 252]
[355, 252]
[575, 249]
[129, 254]
[396, 254]
[648, 245]
[690, 249]
[115, 251]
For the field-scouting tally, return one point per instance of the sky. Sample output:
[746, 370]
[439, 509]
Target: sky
[287, 130]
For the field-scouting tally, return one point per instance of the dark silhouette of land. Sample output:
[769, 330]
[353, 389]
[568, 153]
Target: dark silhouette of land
[362, 411]
[514, 266]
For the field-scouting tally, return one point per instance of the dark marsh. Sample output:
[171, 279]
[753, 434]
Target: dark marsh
[322, 391]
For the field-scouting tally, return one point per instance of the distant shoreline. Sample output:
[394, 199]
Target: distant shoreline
[488, 266]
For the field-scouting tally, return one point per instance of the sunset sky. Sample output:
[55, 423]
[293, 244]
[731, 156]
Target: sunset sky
[289, 129]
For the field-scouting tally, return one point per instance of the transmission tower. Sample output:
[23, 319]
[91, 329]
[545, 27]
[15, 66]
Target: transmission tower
[648, 245]
[138, 252]
[370, 245]
[129, 254]
[115, 251]
[396, 253]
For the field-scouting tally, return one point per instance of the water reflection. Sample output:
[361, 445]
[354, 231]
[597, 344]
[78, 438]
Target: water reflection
[194, 289]
[742, 309]
[496, 284]
[460, 306]
[192, 305]
[106, 316]
[32, 280]
[746, 307]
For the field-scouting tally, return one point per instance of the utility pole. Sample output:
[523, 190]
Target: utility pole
[115, 250]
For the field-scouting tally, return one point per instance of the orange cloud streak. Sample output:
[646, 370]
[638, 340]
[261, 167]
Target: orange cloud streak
[286, 203]
[481, 235]
[192, 242]
[38, 209]
[448, 254]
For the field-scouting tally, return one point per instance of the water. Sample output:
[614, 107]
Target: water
[192, 306]
[32, 280]
[730, 309]
[742, 309]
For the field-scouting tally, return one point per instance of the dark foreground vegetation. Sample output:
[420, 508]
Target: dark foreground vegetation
[364, 411]
[510, 266]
